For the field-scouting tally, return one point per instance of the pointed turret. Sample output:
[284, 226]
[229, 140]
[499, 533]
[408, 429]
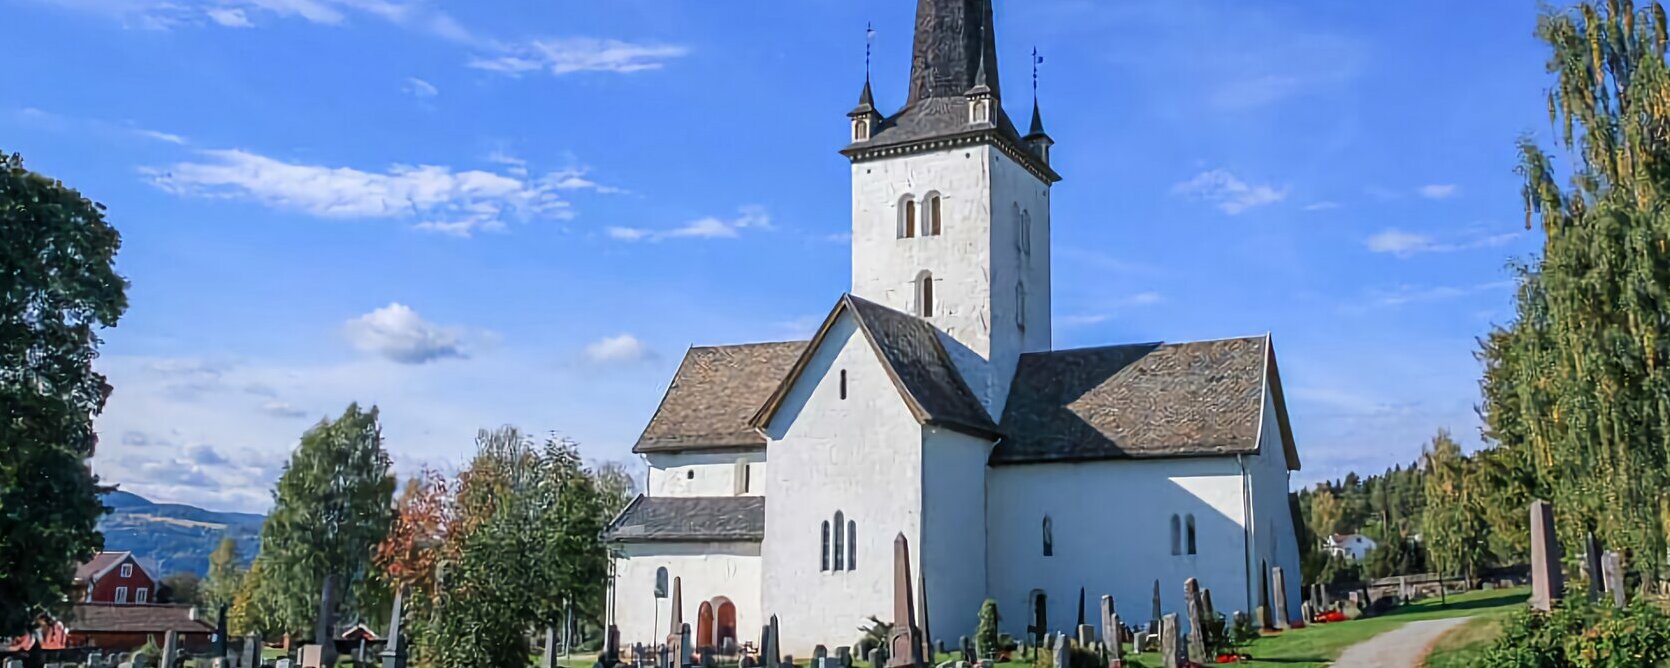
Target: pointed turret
[981, 97]
[864, 117]
[1039, 140]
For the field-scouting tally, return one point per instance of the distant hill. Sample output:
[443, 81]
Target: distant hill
[169, 538]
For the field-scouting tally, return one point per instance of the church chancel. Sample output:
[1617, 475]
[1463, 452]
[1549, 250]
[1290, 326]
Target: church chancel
[930, 403]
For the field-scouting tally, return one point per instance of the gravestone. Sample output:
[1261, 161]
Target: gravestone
[1086, 635]
[878, 658]
[928, 647]
[284, 663]
[1612, 567]
[747, 661]
[1112, 636]
[1592, 568]
[394, 649]
[965, 647]
[843, 656]
[1154, 618]
[774, 644]
[686, 655]
[904, 643]
[252, 652]
[1171, 642]
[170, 649]
[1262, 616]
[1547, 587]
[1307, 612]
[819, 653]
[1063, 654]
[1197, 623]
[313, 656]
[1081, 608]
[675, 626]
[1279, 580]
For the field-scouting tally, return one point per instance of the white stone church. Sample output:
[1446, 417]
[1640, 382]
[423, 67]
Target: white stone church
[931, 403]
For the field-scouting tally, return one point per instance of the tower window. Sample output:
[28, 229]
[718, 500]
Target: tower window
[825, 567]
[1190, 521]
[1020, 306]
[907, 218]
[852, 545]
[1025, 240]
[843, 385]
[933, 228]
[661, 582]
[840, 541]
[925, 294]
[1049, 536]
[1176, 535]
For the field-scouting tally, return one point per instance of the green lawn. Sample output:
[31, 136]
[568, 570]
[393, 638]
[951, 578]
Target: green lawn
[1316, 646]
[1462, 646]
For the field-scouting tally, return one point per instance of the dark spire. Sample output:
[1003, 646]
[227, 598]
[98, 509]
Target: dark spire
[866, 102]
[982, 83]
[1037, 121]
[953, 39]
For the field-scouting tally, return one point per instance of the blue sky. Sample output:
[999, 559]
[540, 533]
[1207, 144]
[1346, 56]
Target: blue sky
[482, 213]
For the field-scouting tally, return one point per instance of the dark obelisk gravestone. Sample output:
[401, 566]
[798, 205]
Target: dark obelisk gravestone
[922, 613]
[252, 652]
[1547, 583]
[773, 644]
[904, 642]
[1207, 611]
[1171, 642]
[394, 652]
[1154, 623]
[220, 645]
[548, 658]
[1278, 581]
[1592, 567]
[675, 625]
[1197, 623]
[324, 630]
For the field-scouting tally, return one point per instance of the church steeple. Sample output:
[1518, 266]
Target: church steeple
[953, 39]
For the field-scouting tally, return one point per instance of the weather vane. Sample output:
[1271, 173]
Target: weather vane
[869, 43]
[1036, 61]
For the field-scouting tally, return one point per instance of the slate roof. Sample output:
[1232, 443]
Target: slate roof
[713, 395]
[1141, 401]
[689, 519]
[112, 618]
[915, 359]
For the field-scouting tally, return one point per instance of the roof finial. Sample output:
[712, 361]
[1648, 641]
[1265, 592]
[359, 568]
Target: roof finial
[1036, 61]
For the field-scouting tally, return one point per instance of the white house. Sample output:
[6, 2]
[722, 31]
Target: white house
[931, 404]
[1353, 546]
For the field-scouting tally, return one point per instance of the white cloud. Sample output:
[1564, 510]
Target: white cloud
[1439, 191]
[1407, 244]
[435, 198]
[161, 136]
[748, 218]
[1231, 195]
[230, 17]
[397, 333]
[622, 349]
[1322, 206]
[419, 88]
[282, 410]
[569, 55]
[1409, 294]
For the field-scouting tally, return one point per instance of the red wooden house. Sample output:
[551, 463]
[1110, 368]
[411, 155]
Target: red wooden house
[116, 578]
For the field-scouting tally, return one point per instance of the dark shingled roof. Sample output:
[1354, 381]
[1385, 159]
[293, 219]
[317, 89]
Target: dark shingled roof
[916, 360]
[1141, 401]
[690, 519]
[113, 618]
[714, 393]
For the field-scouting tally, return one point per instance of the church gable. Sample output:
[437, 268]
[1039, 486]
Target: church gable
[1143, 401]
[914, 359]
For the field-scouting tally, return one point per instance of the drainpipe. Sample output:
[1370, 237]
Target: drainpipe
[1246, 529]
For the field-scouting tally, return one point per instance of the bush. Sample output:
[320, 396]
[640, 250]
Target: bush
[986, 645]
[1080, 658]
[1583, 636]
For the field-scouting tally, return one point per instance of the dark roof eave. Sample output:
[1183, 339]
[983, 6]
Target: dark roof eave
[1192, 452]
[969, 429]
[871, 150]
[621, 540]
[673, 449]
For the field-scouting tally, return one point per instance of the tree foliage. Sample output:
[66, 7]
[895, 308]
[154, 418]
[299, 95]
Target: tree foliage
[58, 287]
[225, 577]
[332, 507]
[1454, 526]
[1576, 387]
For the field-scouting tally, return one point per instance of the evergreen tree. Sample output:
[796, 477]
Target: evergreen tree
[58, 287]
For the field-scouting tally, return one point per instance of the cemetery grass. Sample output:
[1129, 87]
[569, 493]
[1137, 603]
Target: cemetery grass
[1464, 645]
[1318, 645]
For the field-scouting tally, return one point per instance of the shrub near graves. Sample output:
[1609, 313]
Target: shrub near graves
[986, 636]
[1583, 636]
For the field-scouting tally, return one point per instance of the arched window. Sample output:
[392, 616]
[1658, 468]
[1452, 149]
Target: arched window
[1026, 234]
[661, 582]
[843, 385]
[825, 566]
[907, 218]
[1049, 536]
[933, 226]
[852, 545]
[1191, 529]
[1015, 215]
[840, 542]
[1176, 535]
[925, 294]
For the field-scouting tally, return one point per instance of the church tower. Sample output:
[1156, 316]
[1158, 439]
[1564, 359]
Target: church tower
[951, 208]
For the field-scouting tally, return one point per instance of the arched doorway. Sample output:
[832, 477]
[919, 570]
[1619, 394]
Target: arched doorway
[704, 626]
[725, 635]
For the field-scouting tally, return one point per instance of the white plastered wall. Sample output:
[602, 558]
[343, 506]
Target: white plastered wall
[704, 473]
[708, 571]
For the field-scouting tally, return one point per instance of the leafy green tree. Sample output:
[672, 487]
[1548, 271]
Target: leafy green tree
[58, 287]
[182, 587]
[1455, 531]
[256, 606]
[225, 576]
[1326, 512]
[332, 506]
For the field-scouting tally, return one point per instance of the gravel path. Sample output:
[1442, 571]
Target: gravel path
[1402, 648]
